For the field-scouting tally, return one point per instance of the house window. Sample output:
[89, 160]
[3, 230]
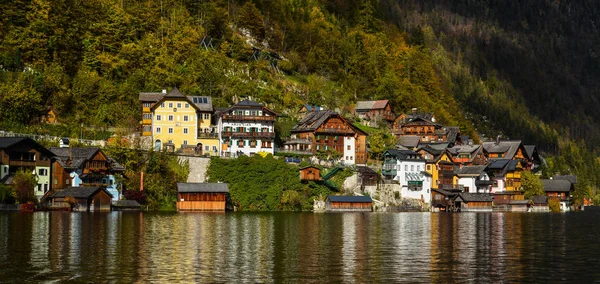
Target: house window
[162, 105]
[158, 117]
[170, 130]
[170, 105]
[158, 130]
[429, 167]
[412, 168]
[184, 142]
[185, 118]
[170, 117]
[187, 105]
[178, 105]
[348, 147]
[42, 172]
[206, 148]
[214, 148]
[418, 168]
[206, 116]
[406, 168]
[185, 131]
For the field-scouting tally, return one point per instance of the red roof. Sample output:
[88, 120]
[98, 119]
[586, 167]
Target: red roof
[380, 104]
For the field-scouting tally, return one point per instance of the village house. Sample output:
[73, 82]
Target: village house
[50, 116]
[20, 153]
[334, 203]
[468, 155]
[310, 173]
[532, 156]
[406, 117]
[247, 128]
[473, 202]
[176, 122]
[408, 168]
[561, 189]
[203, 197]
[83, 199]
[427, 131]
[504, 149]
[308, 108]
[329, 131]
[474, 179]
[372, 112]
[443, 200]
[438, 163]
[85, 167]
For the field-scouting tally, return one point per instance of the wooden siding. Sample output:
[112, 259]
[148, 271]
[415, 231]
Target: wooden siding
[310, 174]
[477, 205]
[348, 206]
[202, 201]
[60, 178]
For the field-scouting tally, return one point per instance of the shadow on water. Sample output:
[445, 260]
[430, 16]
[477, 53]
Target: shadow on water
[299, 247]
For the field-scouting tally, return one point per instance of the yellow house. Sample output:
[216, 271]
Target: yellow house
[438, 163]
[513, 176]
[207, 142]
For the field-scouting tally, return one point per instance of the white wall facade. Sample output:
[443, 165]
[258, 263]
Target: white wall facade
[468, 182]
[246, 148]
[499, 186]
[349, 153]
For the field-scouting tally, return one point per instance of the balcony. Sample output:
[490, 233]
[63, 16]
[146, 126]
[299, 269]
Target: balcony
[269, 135]
[146, 109]
[147, 133]
[248, 117]
[22, 163]
[389, 172]
[292, 141]
[334, 131]
[207, 135]
[295, 152]
[146, 121]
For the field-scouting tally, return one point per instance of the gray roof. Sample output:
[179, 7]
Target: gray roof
[452, 133]
[504, 165]
[471, 170]
[203, 103]
[410, 141]
[475, 197]
[404, 154]
[8, 142]
[313, 108]
[358, 199]
[508, 147]
[150, 97]
[174, 93]
[78, 155]
[369, 105]
[437, 145]
[571, 178]
[529, 150]
[556, 185]
[464, 149]
[79, 192]
[248, 103]
[126, 204]
[202, 187]
[313, 120]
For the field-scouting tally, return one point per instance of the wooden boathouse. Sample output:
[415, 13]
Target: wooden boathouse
[335, 203]
[310, 173]
[81, 199]
[203, 197]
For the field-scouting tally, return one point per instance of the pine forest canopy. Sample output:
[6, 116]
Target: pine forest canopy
[526, 70]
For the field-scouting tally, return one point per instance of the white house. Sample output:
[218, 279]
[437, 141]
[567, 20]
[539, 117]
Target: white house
[246, 128]
[408, 168]
[474, 179]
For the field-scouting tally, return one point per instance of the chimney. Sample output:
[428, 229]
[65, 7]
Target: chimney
[470, 142]
[64, 143]
[414, 110]
[498, 140]
[141, 181]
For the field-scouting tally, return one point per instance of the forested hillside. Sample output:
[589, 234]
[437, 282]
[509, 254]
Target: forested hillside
[524, 69]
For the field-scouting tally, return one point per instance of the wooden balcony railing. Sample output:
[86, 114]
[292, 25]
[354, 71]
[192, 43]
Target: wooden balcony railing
[248, 134]
[248, 117]
[334, 130]
[207, 135]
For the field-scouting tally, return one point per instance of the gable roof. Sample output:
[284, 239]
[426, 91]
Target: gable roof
[313, 120]
[357, 199]
[369, 105]
[404, 118]
[150, 97]
[571, 178]
[452, 133]
[78, 155]
[529, 150]
[8, 142]
[471, 170]
[410, 141]
[556, 185]
[249, 104]
[475, 197]
[464, 149]
[202, 187]
[508, 147]
[80, 192]
[404, 154]
[540, 199]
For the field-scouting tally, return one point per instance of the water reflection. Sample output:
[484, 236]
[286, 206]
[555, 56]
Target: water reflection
[298, 247]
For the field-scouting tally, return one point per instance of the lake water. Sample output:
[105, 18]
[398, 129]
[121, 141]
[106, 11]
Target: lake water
[299, 247]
